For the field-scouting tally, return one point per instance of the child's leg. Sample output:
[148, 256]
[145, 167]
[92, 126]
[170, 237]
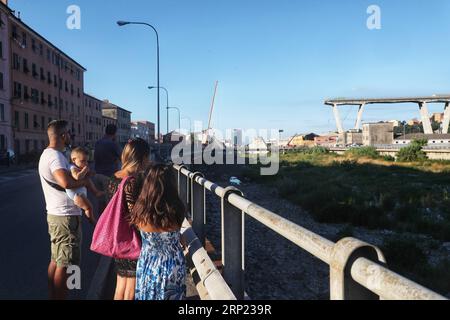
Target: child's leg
[83, 202]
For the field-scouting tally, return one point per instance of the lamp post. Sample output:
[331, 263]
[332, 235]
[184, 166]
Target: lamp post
[167, 104]
[179, 116]
[123, 23]
[190, 123]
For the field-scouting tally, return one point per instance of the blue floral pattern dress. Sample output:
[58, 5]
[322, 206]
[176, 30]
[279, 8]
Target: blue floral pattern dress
[161, 269]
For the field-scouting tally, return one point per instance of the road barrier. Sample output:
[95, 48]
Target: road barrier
[358, 270]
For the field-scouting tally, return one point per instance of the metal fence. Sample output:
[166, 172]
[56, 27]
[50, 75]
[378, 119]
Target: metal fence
[358, 270]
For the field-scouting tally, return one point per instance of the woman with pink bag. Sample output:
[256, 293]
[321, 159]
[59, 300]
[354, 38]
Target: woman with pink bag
[114, 236]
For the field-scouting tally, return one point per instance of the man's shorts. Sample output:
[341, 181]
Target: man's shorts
[65, 237]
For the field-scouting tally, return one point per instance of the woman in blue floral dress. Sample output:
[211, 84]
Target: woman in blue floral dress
[159, 214]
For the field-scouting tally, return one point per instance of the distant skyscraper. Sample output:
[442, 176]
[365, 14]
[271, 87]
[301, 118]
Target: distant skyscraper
[237, 137]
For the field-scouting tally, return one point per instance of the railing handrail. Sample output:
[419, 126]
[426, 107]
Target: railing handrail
[373, 276]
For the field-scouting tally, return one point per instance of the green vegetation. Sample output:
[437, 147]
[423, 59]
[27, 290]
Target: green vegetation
[405, 256]
[367, 190]
[368, 152]
[413, 152]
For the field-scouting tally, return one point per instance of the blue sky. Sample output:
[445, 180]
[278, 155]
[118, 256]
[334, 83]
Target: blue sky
[276, 60]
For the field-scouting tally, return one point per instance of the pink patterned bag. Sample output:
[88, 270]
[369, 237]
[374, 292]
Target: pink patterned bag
[113, 236]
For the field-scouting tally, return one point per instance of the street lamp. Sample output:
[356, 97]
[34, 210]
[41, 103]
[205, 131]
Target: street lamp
[179, 116]
[167, 104]
[123, 23]
[190, 123]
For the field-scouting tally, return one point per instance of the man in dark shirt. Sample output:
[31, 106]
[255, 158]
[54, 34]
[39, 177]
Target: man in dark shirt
[107, 153]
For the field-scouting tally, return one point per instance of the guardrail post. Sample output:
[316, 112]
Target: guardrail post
[188, 193]
[182, 186]
[233, 244]
[198, 207]
[345, 252]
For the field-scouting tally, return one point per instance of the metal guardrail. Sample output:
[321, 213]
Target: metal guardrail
[357, 269]
[199, 262]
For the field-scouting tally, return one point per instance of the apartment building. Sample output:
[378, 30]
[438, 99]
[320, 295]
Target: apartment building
[122, 118]
[144, 130]
[93, 119]
[45, 84]
[6, 134]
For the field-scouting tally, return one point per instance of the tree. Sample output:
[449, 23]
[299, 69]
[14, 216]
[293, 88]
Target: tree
[413, 152]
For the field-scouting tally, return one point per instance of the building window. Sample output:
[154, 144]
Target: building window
[24, 39]
[34, 70]
[16, 119]
[16, 61]
[2, 142]
[25, 93]
[49, 77]
[49, 100]
[26, 124]
[25, 66]
[14, 32]
[1, 50]
[41, 49]
[49, 55]
[42, 74]
[2, 112]
[35, 95]
[35, 122]
[55, 81]
[1, 81]
[17, 90]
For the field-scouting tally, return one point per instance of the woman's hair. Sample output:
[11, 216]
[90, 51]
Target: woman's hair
[158, 204]
[134, 154]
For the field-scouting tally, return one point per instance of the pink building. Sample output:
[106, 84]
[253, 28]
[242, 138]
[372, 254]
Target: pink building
[6, 135]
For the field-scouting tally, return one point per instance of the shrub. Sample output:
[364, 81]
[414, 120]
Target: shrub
[333, 213]
[403, 252]
[366, 152]
[286, 186]
[413, 152]
[318, 150]
[405, 256]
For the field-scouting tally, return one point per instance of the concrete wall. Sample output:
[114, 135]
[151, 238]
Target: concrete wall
[378, 133]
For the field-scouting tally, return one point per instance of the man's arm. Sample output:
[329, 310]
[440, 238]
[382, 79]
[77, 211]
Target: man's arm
[66, 181]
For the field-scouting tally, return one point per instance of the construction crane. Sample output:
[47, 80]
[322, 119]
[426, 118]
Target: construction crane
[206, 136]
